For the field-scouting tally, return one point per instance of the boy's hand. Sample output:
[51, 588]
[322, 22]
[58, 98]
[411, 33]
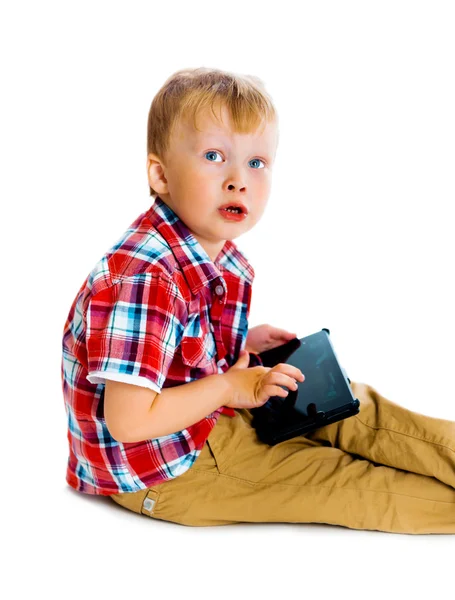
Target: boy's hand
[252, 387]
[265, 337]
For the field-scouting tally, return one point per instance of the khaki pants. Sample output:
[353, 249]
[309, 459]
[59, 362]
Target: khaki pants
[387, 468]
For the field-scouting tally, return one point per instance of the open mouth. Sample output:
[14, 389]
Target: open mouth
[233, 213]
[233, 209]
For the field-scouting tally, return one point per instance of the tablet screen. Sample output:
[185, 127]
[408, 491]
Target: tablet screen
[325, 387]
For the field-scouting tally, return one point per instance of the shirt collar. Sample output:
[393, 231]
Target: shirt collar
[194, 261]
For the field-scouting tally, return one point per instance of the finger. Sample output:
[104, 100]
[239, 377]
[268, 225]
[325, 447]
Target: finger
[279, 334]
[290, 370]
[275, 390]
[282, 379]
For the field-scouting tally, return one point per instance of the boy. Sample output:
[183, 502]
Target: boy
[159, 370]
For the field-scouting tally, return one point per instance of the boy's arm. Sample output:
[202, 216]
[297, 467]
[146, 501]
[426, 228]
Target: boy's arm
[135, 413]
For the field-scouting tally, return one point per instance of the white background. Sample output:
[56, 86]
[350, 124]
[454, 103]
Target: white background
[357, 237]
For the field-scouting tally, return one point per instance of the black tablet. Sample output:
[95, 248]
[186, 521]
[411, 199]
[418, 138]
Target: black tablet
[325, 396]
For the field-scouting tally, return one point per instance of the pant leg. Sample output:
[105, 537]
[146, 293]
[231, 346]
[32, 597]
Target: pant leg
[389, 434]
[307, 479]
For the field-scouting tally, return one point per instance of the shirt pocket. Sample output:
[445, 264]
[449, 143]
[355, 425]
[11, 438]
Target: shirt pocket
[199, 352]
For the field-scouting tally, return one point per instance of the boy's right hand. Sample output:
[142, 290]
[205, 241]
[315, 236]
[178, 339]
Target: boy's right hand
[252, 387]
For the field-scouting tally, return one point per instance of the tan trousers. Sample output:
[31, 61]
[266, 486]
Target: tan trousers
[387, 468]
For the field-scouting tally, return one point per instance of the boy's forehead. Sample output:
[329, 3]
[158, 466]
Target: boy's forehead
[208, 126]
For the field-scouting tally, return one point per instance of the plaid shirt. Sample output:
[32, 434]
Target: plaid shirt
[155, 311]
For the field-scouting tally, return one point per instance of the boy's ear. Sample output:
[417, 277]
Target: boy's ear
[155, 174]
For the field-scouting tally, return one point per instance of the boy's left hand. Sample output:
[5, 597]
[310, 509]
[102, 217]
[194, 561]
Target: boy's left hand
[265, 337]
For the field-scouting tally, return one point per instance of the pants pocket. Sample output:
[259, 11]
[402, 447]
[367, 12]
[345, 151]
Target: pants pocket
[206, 461]
[209, 445]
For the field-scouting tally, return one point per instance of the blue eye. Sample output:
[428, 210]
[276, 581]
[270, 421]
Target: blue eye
[256, 160]
[214, 152]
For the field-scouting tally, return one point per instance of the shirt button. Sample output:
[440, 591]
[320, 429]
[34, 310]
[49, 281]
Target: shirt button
[219, 290]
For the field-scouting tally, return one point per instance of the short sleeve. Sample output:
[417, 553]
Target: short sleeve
[133, 329]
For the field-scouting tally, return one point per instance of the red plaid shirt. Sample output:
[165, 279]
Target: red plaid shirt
[155, 311]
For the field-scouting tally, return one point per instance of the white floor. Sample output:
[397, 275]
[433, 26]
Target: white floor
[77, 546]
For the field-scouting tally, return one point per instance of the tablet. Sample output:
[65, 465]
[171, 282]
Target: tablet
[324, 397]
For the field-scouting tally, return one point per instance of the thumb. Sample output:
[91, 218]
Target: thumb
[243, 359]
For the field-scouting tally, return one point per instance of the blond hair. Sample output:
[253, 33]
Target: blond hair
[188, 92]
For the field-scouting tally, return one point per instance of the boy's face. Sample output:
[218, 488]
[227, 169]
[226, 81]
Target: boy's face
[209, 168]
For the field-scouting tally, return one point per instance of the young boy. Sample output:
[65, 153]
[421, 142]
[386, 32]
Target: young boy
[160, 371]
